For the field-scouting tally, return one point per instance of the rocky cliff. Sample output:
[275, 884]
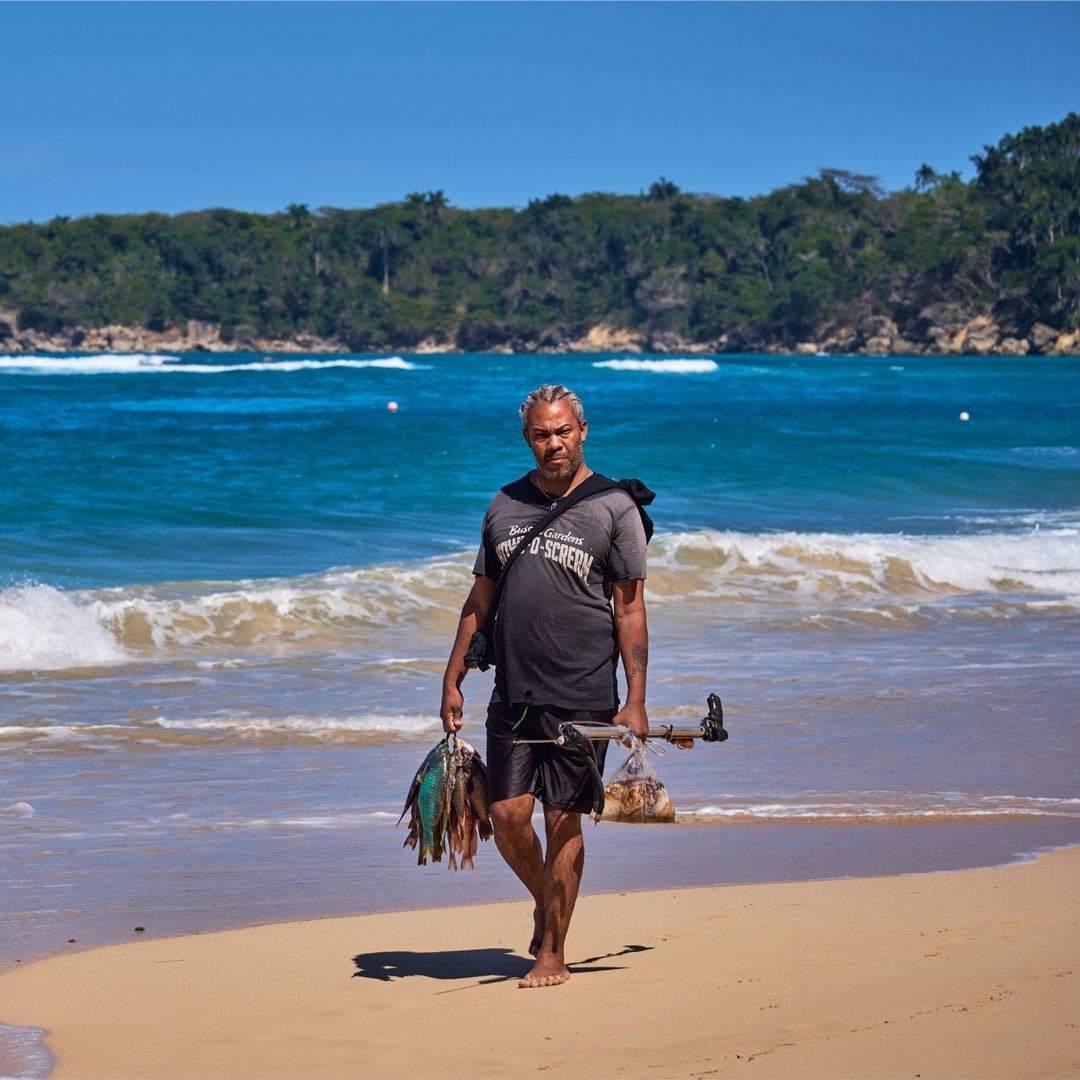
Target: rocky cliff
[940, 330]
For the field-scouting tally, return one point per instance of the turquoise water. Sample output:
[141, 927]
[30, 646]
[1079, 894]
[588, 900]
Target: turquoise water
[144, 472]
[228, 584]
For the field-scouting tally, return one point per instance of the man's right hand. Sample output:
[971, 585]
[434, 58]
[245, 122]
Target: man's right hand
[453, 703]
[472, 618]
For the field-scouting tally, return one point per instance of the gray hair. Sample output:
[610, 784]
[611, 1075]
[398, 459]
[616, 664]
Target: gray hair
[548, 394]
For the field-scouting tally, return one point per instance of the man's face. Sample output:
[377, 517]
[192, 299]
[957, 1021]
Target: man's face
[556, 439]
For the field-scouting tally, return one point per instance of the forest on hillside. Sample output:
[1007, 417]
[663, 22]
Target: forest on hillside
[791, 266]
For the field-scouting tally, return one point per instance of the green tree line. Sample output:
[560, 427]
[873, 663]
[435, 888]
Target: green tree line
[772, 270]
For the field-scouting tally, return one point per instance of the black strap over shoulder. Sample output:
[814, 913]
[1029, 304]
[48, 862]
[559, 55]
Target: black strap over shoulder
[481, 652]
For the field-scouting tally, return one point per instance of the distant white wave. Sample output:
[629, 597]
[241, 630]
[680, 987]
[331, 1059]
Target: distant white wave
[393, 363]
[98, 364]
[1016, 520]
[674, 366]
[152, 363]
[1048, 451]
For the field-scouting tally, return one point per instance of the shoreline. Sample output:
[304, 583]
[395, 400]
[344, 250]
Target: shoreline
[695, 854]
[943, 973]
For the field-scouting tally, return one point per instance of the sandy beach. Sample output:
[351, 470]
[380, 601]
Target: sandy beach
[962, 974]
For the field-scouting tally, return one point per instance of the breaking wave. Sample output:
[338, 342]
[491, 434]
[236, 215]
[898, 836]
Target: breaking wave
[155, 363]
[680, 366]
[1037, 567]
[824, 579]
[45, 629]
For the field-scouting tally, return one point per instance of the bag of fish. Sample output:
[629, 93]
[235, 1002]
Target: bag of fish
[449, 803]
[635, 793]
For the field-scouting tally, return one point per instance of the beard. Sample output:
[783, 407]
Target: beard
[558, 471]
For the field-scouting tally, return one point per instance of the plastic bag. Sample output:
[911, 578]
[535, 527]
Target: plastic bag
[635, 793]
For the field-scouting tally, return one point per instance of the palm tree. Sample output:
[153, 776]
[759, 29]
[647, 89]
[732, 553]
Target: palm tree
[298, 215]
[925, 178]
[663, 190]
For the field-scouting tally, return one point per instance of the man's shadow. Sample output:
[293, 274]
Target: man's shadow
[485, 965]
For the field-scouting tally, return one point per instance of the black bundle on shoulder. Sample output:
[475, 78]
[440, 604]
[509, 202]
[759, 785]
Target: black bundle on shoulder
[643, 497]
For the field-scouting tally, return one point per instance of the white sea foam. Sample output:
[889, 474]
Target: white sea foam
[197, 731]
[306, 821]
[23, 1053]
[151, 363]
[883, 807]
[325, 728]
[674, 366]
[44, 629]
[51, 735]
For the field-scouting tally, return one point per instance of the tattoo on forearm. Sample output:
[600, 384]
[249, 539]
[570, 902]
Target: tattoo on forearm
[639, 656]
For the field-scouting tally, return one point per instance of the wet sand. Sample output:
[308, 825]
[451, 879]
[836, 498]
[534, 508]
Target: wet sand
[969, 973]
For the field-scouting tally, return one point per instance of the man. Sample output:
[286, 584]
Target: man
[572, 604]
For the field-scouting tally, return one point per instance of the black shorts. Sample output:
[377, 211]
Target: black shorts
[560, 777]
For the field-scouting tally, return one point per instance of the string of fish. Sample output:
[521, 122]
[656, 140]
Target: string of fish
[448, 800]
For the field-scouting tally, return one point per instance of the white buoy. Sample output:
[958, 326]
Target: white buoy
[965, 416]
[393, 406]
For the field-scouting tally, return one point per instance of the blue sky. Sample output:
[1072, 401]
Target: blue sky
[133, 107]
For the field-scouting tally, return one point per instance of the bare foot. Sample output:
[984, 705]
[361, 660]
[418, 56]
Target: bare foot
[546, 972]
[538, 931]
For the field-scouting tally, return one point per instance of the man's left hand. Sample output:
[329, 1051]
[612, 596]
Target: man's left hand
[635, 718]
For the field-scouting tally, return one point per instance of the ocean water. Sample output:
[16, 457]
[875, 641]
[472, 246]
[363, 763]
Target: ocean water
[228, 585]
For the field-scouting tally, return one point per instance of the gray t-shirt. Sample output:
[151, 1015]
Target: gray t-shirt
[555, 635]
